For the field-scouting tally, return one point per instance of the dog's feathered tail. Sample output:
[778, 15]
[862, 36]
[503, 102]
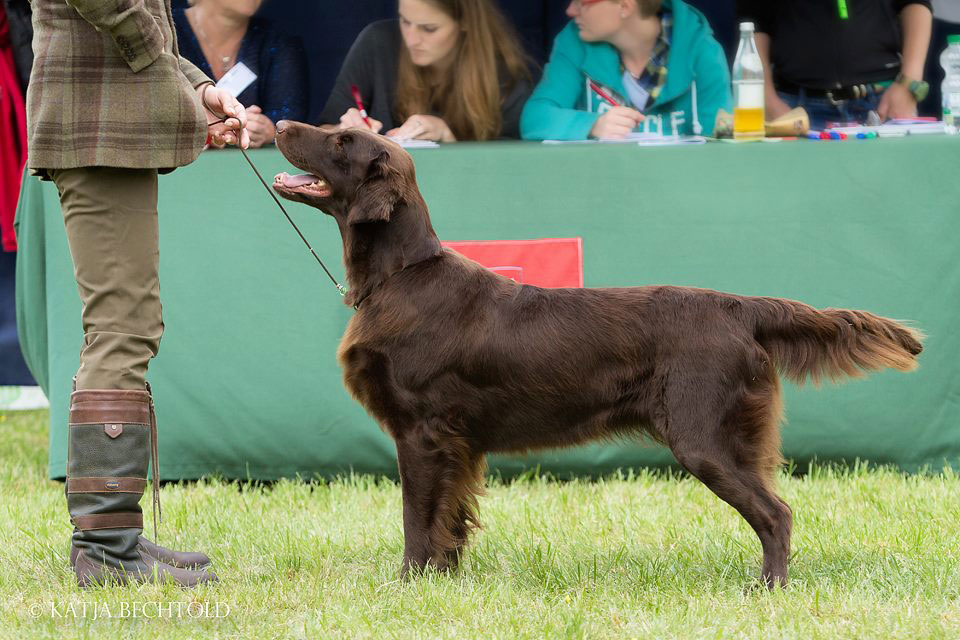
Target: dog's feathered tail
[831, 343]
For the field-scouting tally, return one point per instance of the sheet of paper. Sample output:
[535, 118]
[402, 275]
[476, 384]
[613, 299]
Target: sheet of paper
[591, 141]
[639, 138]
[669, 141]
[895, 128]
[237, 79]
[411, 143]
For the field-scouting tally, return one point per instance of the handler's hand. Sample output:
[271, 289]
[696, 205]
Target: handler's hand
[219, 104]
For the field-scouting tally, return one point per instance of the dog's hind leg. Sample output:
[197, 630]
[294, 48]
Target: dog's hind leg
[440, 477]
[734, 450]
[463, 523]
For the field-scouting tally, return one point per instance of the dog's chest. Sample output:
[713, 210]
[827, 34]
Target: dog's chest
[368, 376]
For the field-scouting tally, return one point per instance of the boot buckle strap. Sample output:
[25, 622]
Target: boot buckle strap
[103, 412]
[126, 520]
[106, 485]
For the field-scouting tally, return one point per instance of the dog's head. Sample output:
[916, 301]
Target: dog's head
[364, 181]
[354, 175]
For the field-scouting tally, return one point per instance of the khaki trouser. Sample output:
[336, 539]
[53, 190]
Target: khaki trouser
[111, 221]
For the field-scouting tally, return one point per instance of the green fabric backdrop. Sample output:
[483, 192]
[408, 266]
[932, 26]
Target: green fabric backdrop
[246, 380]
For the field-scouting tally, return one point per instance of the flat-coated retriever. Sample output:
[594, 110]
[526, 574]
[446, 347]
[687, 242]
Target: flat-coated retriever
[454, 361]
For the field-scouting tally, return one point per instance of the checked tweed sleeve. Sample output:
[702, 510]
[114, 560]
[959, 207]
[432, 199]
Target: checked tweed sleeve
[132, 27]
[193, 74]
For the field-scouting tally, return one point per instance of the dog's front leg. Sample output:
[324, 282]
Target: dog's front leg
[440, 477]
[418, 475]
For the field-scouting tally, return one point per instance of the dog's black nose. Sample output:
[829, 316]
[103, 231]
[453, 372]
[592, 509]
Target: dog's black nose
[281, 126]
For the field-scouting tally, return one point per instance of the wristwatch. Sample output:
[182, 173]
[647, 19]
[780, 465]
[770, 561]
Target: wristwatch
[918, 88]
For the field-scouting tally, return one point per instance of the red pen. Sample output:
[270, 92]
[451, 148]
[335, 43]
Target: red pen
[359, 101]
[603, 94]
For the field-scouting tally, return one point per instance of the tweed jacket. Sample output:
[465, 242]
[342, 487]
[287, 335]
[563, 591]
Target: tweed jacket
[109, 88]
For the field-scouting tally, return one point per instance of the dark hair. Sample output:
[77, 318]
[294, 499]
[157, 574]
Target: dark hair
[649, 8]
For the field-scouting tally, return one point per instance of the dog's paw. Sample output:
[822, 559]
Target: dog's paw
[412, 568]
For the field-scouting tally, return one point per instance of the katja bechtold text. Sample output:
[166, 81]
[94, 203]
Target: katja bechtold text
[146, 610]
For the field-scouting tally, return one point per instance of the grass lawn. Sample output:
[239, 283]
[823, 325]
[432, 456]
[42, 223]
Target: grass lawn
[875, 555]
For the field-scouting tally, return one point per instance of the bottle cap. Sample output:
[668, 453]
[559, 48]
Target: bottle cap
[954, 39]
[748, 26]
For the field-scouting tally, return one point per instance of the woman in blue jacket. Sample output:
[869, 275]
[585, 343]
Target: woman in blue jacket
[657, 59]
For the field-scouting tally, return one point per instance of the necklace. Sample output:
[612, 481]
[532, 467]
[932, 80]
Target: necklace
[225, 61]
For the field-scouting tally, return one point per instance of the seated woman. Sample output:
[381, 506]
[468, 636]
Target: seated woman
[656, 60]
[447, 70]
[220, 35]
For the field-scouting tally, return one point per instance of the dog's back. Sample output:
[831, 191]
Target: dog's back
[523, 367]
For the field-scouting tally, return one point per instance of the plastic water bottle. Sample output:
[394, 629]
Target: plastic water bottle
[950, 89]
[747, 87]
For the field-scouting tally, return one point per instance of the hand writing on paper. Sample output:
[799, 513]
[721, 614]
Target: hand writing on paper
[352, 118]
[618, 122]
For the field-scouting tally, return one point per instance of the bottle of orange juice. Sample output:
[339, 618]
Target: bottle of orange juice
[747, 87]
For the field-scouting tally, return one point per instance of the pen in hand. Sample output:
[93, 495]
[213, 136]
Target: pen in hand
[603, 94]
[359, 101]
[618, 122]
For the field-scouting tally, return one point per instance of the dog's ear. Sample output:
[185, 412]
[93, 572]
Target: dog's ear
[378, 194]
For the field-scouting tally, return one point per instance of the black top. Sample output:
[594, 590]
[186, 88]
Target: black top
[281, 89]
[812, 46]
[371, 64]
[21, 35]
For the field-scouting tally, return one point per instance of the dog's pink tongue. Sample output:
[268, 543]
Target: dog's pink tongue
[298, 181]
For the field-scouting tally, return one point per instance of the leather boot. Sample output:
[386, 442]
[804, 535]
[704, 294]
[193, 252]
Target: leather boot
[181, 559]
[112, 438]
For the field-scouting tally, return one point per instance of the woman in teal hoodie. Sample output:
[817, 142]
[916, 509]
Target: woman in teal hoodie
[657, 59]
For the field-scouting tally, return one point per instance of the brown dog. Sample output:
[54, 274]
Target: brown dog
[454, 361]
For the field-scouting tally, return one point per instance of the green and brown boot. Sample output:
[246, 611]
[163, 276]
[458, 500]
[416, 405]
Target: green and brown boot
[112, 438]
[181, 559]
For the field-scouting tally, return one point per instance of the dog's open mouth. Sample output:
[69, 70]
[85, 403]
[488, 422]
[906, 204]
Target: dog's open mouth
[306, 184]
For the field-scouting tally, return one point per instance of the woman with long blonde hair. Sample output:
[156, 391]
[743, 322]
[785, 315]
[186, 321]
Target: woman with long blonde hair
[445, 70]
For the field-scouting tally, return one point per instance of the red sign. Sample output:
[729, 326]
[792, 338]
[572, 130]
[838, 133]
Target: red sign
[551, 262]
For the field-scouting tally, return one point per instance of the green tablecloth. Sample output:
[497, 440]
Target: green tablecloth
[246, 380]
